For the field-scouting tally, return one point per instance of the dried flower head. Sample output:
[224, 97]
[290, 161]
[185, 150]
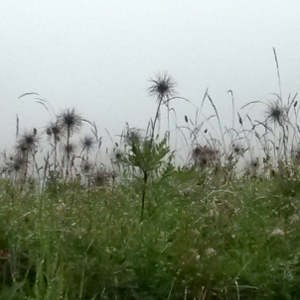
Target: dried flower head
[86, 167]
[276, 113]
[117, 156]
[163, 87]
[133, 137]
[203, 156]
[99, 178]
[70, 120]
[27, 142]
[87, 143]
[15, 165]
[69, 148]
[54, 129]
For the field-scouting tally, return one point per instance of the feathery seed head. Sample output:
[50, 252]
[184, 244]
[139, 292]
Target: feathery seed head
[87, 143]
[69, 149]
[163, 86]
[54, 128]
[276, 113]
[70, 120]
[204, 155]
[27, 141]
[86, 167]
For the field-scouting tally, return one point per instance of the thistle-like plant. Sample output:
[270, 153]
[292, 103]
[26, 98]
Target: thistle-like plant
[278, 114]
[204, 156]
[68, 157]
[70, 121]
[54, 131]
[163, 89]
[87, 144]
[27, 144]
[14, 166]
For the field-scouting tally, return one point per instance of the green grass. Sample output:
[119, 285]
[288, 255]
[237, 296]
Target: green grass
[225, 226]
[200, 239]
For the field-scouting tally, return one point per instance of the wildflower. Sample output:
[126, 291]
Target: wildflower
[70, 120]
[99, 178]
[86, 167]
[117, 156]
[277, 232]
[54, 128]
[27, 142]
[204, 155]
[276, 113]
[133, 137]
[210, 252]
[87, 143]
[163, 87]
[69, 149]
[15, 165]
[238, 149]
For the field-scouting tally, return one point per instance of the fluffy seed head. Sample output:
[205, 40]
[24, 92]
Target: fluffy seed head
[87, 143]
[27, 141]
[70, 119]
[276, 113]
[162, 86]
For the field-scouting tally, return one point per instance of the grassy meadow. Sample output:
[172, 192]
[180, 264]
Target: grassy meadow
[224, 225]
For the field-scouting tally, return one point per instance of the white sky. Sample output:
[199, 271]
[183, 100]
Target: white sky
[98, 56]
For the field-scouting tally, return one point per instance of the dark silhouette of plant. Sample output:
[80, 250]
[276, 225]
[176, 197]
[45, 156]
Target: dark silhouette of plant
[27, 147]
[163, 89]
[87, 144]
[70, 121]
[69, 150]
[54, 131]
[276, 113]
[14, 166]
[204, 156]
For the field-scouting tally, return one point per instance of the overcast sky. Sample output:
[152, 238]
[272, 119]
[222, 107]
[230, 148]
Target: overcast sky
[98, 56]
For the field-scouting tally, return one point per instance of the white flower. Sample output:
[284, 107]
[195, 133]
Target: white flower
[277, 232]
[294, 218]
[210, 252]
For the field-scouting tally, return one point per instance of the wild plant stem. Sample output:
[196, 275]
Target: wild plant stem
[155, 119]
[145, 179]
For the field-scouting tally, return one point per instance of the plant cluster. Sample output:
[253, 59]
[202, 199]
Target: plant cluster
[224, 225]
